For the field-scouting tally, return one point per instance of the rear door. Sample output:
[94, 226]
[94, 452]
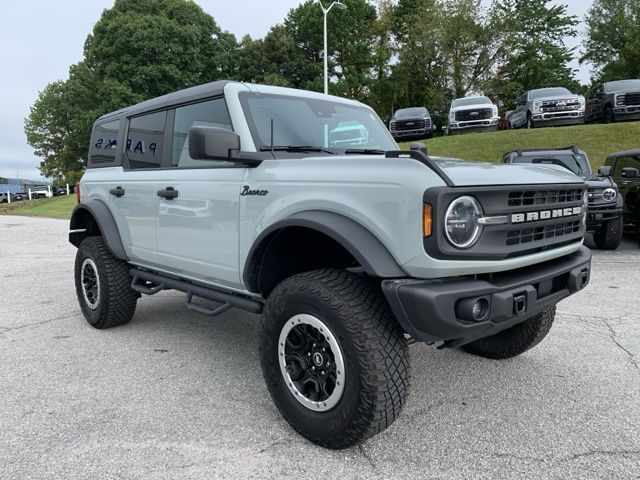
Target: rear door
[133, 197]
[197, 229]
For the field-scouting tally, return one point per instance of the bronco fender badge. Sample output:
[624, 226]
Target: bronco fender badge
[246, 190]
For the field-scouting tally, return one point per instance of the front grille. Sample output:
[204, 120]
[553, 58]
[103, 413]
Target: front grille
[629, 99]
[544, 197]
[560, 105]
[530, 219]
[412, 124]
[469, 115]
[528, 235]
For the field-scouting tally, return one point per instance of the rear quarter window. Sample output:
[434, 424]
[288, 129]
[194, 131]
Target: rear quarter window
[104, 144]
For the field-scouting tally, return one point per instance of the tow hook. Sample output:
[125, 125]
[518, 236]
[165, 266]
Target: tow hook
[519, 303]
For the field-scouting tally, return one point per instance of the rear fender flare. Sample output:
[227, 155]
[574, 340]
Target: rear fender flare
[98, 212]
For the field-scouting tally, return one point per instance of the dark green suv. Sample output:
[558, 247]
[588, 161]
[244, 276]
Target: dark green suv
[624, 167]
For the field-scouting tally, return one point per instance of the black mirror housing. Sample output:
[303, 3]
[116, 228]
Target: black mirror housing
[630, 172]
[213, 143]
[418, 146]
[604, 171]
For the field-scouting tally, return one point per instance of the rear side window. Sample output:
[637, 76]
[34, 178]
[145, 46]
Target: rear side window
[104, 143]
[145, 140]
[212, 113]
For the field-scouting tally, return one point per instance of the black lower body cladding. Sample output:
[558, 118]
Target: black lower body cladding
[460, 310]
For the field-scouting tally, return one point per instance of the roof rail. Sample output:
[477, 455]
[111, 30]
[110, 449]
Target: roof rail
[521, 150]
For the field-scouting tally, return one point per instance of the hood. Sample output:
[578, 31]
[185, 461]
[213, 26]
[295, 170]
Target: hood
[464, 174]
[599, 182]
[412, 117]
[475, 106]
[571, 96]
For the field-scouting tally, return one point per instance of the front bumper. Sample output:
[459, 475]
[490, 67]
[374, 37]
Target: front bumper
[571, 117]
[440, 310]
[488, 125]
[627, 113]
[596, 216]
[417, 133]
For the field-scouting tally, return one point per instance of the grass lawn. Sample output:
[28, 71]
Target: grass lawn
[595, 139]
[54, 207]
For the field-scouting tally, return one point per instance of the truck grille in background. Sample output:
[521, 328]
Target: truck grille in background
[527, 235]
[412, 124]
[544, 197]
[469, 115]
[629, 99]
[560, 105]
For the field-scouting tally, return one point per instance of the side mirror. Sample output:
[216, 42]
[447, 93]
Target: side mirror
[630, 172]
[418, 146]
[604, 171]
[213, 143]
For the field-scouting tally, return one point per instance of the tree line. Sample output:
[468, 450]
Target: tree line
[387, 54]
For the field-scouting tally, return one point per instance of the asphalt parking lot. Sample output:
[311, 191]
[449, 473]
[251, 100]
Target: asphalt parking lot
[175, 394]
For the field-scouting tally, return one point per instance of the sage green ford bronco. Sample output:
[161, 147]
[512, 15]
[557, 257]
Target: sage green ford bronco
[301, 207]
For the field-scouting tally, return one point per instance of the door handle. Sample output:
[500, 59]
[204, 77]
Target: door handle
[117, 192]
[168, 193]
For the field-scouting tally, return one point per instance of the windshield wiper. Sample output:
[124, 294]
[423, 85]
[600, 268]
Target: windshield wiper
[365, 151]
[295, 148]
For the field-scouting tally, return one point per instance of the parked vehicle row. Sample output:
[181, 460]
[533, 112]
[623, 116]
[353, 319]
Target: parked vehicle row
[607, 103]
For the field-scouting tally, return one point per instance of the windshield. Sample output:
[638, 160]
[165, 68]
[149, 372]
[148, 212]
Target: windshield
[463, 102]
[622, 85]
[311, 122]
[411, 112]
[577, 163]
[549, 92]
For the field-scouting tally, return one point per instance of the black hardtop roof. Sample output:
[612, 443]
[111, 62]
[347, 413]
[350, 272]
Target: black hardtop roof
[626, 153]
[174, 98]
[521, 151]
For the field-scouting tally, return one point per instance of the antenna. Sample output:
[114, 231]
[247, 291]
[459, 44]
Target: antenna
[272, 136]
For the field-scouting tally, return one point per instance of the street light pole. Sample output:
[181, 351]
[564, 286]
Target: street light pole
[325, 12]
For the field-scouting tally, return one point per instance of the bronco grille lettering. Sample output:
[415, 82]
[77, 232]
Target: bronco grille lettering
[545, 214]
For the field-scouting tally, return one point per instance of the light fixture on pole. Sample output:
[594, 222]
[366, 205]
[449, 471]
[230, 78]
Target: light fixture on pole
[325, 11]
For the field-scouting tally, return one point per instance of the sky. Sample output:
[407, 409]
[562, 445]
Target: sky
[40, 39]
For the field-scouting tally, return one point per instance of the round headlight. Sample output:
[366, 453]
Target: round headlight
[461, 222]
[609, 194]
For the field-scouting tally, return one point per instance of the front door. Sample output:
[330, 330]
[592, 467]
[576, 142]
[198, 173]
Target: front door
[197, 229]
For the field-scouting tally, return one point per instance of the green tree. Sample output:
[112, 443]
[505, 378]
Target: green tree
[612, 41]
[138, 49]
[535, 53]
[350, 36]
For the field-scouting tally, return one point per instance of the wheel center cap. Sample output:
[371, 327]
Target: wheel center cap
[318, 359]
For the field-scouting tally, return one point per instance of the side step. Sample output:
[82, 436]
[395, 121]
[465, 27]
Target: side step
[149, 283]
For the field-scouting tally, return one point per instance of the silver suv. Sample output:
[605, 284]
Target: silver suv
[252, 197]
[547, 107]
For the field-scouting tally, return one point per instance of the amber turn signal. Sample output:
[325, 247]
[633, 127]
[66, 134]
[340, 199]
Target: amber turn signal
[426, 220]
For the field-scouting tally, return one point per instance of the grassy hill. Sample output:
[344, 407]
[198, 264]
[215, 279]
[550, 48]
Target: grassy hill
[54, 207]
[597, 140]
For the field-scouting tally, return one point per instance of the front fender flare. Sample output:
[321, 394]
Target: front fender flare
[97, 211]
[363, 245]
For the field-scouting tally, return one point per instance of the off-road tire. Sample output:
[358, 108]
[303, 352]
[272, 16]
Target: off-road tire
[376, 359]
[609, 236]
[116, 302]
[515, 340]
